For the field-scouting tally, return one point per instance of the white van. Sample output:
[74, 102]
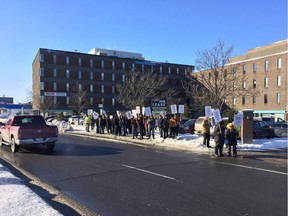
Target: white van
[198, 125]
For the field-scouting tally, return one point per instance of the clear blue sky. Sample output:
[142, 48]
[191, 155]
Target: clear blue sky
[161, 30]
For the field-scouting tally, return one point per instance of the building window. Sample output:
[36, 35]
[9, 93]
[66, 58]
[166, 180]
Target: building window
[123, 66]
[41, 72]
[91, 88]
[67, 74]
[91, 63]
[102, 100]
[278, 98]
[113, 89]
[278, 81]
[67, 87]
[244, 84]
[54, 59]
[123, 78]
[254, 67]
[234, 101]
[91, 75]
[177, 71]
[91, 100]
[67, 100]
[113, 101]
[55, 86]
[265, 98]
[79, 62]
[113, 65]
[67, 60]
[143, 68]
[266, 66]
[79, 75]
[244, 68]
[185, 71]
[41, 85]
[102, 88]
[254, 83]
[160, 70]
[169, 70]
[80, 87]
[55, 73]
[102, 76]
[279, 63]
[55, 100]
[243, 100]
[133, 67]
[41, 57]
[102, 64]
[266, 82]
[113, 77]
[254, 99]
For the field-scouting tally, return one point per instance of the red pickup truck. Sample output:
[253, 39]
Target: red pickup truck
[27, 130]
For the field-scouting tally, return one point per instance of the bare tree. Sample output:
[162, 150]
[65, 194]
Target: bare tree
[137, 87]
[78, 99]
[41, 103]
[217, 82]
[171, 96]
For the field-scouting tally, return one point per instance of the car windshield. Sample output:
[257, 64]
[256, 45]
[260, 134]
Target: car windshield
[189, 122]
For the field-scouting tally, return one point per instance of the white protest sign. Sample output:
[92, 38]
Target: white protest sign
[181, 109]
[238, 118]
[143, 110]
[89, 112]
[137, 109]
[208, 111]
[118, 113]
[147, 111]
[162, 114]
[129, 115]
[104, 112]
[134, 113]
[217, 116]
[174, 109]
[95, 115]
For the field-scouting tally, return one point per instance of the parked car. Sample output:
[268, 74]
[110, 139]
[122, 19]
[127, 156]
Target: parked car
[270, 121]
[261, 129]
[183, 120]
[187, 127]
[281, 129]
[198, 125]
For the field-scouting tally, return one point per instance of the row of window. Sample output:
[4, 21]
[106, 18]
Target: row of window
[91, 100]
[265, 99]
[266, 82]
[113, 65]
[266, 64]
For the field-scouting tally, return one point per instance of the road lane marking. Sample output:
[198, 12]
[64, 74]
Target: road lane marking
[255, 168]
[146, 171]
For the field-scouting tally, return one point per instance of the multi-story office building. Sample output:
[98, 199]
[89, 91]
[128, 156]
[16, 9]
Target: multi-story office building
[55, 73]
[265, 69]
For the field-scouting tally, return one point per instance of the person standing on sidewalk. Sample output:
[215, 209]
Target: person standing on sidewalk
[231, 136]
[206, 132]
[151, 127]
[88, 123]
[219, 136]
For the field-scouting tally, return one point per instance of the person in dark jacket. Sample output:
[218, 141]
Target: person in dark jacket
[219, 137]
[231, 136]
[165, 126]
[141, 126]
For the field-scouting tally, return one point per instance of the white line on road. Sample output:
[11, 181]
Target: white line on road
[146, 171]
[248, 167]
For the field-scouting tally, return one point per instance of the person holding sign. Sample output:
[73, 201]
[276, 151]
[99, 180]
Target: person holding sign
[231, 136]
[219, 136]
[206, 132]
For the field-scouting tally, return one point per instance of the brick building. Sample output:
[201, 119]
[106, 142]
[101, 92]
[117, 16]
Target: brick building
[266, 69]
[55, 72]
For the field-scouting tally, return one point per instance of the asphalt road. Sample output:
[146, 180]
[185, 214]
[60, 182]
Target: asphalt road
[111, 178]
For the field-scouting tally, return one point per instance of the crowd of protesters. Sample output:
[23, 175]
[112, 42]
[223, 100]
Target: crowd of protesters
[139, 127]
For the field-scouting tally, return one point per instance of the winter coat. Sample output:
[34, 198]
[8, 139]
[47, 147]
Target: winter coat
[219, 133]
[231, 136]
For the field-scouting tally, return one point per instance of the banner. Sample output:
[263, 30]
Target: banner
[208, 111]
[181, 109]
[217, 116]
[174, 109]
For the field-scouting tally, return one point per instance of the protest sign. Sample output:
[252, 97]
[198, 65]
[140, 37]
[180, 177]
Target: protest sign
[174, 109]
[217, 116]
[181, 109]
